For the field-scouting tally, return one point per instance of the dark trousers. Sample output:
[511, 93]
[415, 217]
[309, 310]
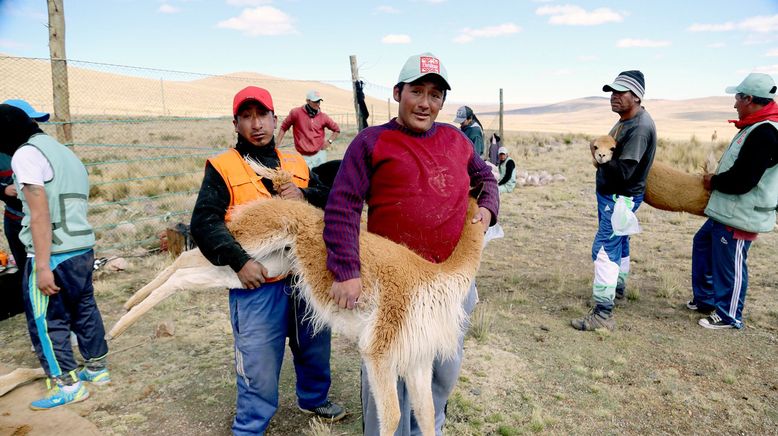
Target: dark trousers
[50, 319]
[11, 299]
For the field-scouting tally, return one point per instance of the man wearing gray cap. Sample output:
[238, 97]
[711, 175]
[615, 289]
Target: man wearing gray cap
[415, 176]
[744, 193]
[309, 123]
[624, 175]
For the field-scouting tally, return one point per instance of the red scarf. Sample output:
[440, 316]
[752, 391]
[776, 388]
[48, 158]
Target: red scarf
[767, 113]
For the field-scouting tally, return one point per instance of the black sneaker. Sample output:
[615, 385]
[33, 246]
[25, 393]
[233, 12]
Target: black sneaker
[329, 411]
[699, 307]
[621, 293]
[714, 322]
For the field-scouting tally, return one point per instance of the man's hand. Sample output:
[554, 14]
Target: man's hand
[484, 216]
[10, 190]
[346, 294]
[45, 280]
[706, 181]
[252, 275]
[290, 191]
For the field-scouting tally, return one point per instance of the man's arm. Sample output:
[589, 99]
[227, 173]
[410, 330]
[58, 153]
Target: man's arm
[509, 167]
[618, 171]
[758, 153]
[485, 188]
[316, 193]
[342, 219]
[333, 126]
[40, 227]
[285, 126]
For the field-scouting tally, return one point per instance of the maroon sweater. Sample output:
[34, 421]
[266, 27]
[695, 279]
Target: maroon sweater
[416, 187]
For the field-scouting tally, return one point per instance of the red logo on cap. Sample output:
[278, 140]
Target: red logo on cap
[428, 64]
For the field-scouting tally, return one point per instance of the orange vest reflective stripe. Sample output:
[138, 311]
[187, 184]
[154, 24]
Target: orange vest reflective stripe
[244, 185]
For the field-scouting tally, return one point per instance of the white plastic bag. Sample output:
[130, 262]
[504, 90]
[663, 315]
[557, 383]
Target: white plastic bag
[623, 220]
[493, 232]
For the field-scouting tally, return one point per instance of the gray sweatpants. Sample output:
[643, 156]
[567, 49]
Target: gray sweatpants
[444, 377]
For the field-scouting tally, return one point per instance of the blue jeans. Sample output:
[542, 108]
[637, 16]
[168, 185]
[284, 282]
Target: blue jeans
[445, 374]
[262, 319]
[719, 271]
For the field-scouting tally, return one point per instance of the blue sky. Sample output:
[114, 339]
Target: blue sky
[537, 51]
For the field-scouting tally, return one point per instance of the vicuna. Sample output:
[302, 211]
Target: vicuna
[410, 311]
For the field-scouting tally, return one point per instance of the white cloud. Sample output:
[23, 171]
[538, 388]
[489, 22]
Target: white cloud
[588, 58]
[716, 45]
[261, 21]
[763, 24]
[167, 9]
[758, 24]
[469, 34]
[767, 69]
[758, 39]
[772, 53]
[384, 9]
[722, 27]
[9, 43]
[571, 15]
[396, 39]
[248, 2]
[435, 1]
[643, 43]
[562, 72]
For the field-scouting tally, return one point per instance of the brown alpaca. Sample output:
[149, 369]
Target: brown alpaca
[410, 311]
[666, 187]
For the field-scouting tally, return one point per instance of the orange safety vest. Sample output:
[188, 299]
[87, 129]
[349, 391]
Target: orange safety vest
[245, 185]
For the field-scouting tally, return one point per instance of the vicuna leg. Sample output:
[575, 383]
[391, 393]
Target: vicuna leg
[187, 278]
[419, 385]
[19, 377]
[187, 259]
[383, 386]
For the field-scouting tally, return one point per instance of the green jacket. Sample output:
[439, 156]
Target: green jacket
[67, 194]
[753, 211]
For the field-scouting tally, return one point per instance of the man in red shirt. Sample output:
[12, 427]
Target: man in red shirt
[309, 123]
[415, 176]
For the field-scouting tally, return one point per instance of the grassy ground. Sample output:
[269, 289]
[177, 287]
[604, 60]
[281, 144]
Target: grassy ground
[525, 370]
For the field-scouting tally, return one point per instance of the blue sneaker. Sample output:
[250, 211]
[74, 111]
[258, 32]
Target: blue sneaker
[101, 377]
[59, 395]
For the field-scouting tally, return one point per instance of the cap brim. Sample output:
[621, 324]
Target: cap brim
[316, 100]
[42, 117]
[731, 90]
[614, 87]
[459, 120]
[417, 77]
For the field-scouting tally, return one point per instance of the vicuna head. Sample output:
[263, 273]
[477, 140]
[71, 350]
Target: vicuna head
[602, 148]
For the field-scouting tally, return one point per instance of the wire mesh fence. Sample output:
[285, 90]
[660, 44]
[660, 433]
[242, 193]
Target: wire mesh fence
[144, 134]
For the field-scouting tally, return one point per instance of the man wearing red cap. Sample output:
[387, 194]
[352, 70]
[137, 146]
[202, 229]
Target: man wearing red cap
[266, 310]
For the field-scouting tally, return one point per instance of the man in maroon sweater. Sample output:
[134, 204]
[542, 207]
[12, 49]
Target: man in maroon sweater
[415, 176]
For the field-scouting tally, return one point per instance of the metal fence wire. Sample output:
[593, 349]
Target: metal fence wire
[144, 135]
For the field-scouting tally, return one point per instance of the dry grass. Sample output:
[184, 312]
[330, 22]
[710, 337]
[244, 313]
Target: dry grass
[659, 372]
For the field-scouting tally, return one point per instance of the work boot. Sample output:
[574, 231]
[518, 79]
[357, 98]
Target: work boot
[594, 320]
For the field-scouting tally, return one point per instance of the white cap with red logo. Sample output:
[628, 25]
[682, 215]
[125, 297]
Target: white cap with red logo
[418, 66]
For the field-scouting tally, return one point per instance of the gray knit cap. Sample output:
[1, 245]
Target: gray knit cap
[631, 80]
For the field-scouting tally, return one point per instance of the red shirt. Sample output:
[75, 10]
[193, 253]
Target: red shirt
[416, 187]
[308, 132]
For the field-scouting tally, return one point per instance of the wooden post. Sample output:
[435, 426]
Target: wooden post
[501, 113]
[162, 93]
[354, 78]
[59, 71]
[388, 109]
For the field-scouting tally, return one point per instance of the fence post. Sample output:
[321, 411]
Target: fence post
[388, 110]
[501, 113]
[354, 78]
[59, 71]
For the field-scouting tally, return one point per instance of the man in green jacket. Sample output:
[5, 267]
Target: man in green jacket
[743, 201]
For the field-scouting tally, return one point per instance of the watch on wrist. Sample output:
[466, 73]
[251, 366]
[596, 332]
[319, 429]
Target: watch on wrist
[330, 141]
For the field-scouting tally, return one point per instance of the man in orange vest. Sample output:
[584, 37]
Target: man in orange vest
[266, 310]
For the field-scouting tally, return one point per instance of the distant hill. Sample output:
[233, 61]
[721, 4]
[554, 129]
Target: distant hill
[108, 93]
